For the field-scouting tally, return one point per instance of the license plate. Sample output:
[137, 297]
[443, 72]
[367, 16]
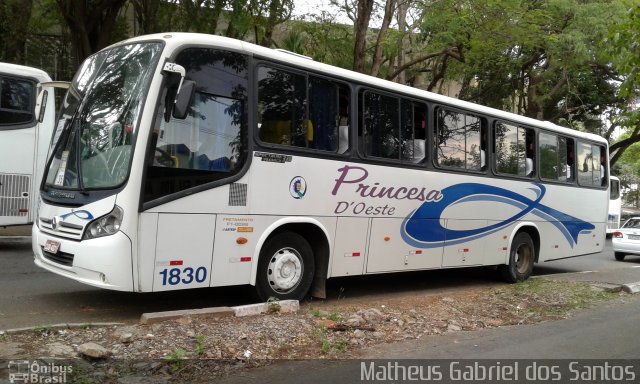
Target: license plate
[52, 246]
[634, 237]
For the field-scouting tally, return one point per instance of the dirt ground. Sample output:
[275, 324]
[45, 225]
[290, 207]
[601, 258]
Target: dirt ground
[181, 350]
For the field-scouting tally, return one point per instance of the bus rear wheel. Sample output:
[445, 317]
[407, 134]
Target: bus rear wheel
[285, 267]
[521, 259]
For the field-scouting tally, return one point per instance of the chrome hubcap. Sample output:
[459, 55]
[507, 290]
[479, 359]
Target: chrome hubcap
[285, 270]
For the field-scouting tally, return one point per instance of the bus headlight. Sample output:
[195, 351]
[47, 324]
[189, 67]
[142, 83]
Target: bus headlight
[106, 225]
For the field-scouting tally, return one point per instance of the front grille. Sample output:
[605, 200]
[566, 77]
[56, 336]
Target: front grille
[67, 230]
[62, 258]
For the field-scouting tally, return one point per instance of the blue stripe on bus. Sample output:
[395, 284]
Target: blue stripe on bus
[422, 228]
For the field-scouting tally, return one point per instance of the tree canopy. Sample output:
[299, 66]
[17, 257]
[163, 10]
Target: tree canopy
[573, 62]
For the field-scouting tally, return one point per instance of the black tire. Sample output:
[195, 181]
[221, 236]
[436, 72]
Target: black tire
[521, 259]
[619, 256]
[285, 268]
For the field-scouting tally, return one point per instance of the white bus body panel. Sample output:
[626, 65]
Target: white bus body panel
[184, 241]
[360, 243]
[350, 248]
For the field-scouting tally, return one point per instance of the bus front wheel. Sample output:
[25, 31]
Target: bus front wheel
[285, 267]
[521, 259]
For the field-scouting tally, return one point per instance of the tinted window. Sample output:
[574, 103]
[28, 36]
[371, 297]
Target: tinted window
[210, 144]
[615, 190]
[556, 157]
[413, 124]
[460, 141]
[283, 118]
[632, 223]
[548, 156]
[392, 128]
[16, 102]
[282, 103]
[591, 165]
[381, 126]
[515, 151]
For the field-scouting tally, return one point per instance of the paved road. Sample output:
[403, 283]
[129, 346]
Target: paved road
[30, 296]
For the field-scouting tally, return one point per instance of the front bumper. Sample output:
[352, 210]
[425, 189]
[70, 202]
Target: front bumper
[105, 262]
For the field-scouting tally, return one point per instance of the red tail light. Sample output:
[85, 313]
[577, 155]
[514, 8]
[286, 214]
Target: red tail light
[617, 235]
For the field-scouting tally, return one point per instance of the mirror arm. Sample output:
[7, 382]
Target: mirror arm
[175, 69]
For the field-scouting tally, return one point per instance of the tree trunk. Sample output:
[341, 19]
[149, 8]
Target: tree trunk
[361, 26]
[14, 23]
[90, 25]
[403, 7]
[386, 21]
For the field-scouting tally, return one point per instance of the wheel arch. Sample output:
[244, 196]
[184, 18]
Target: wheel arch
[533, 231]
[314, 233]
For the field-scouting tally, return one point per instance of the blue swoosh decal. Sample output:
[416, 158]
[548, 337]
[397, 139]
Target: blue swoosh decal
[419, 232]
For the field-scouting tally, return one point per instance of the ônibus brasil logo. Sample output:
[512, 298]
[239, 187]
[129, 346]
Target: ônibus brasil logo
[298, 187]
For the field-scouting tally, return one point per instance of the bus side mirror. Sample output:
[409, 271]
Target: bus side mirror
[43, 96]
[183, 99]
[41, 105]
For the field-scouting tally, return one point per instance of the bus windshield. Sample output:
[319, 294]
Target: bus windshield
[99, 117]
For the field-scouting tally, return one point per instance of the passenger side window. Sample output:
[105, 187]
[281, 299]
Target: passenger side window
[392, 128]
[514, 150]
[283, 99]
[282, 103]
[556, 157]
[381, 126]
[592, 167]
[414, 132]
[16, 102]
[328, 115]
[460, 141]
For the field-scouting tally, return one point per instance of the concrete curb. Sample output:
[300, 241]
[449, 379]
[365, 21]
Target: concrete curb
[59, 326]
[631, 288]
[284, 306]
[157, 317]
[606, 287]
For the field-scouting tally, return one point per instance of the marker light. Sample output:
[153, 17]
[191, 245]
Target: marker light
[106, 225]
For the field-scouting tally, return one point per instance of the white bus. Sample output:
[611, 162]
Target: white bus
[24, 141]
[190, 160]
[615, 205]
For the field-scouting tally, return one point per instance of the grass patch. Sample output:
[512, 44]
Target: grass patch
[548, 298]
[176, 359]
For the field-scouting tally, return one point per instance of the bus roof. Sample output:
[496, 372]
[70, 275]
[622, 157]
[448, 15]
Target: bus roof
[22, 70]
[176, 39]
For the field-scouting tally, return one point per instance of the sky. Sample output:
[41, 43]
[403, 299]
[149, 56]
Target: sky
[314, 7]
